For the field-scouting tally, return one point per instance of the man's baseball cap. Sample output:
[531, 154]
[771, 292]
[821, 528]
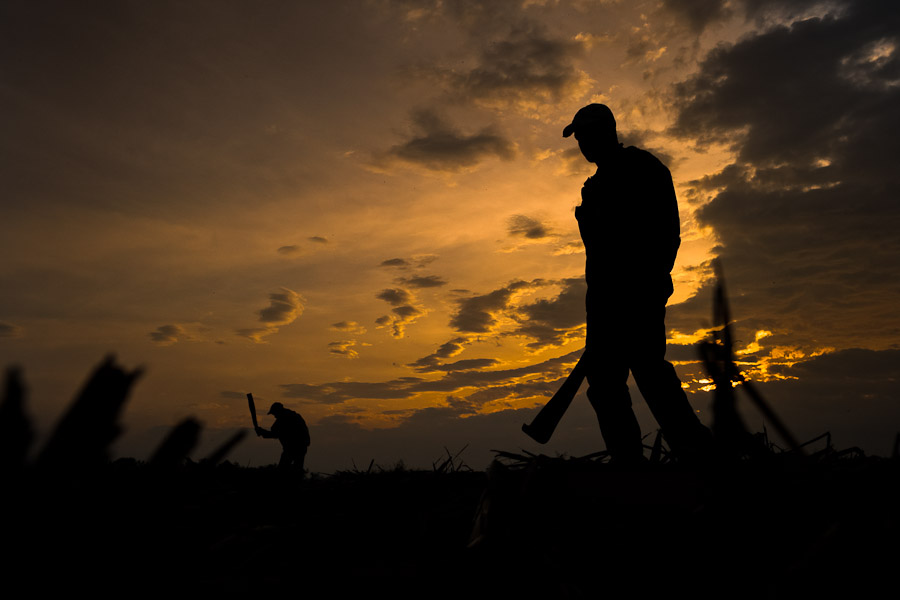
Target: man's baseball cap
[592, 115]
[275, 407]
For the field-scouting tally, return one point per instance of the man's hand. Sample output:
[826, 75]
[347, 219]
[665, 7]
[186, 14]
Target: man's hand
[260, 431]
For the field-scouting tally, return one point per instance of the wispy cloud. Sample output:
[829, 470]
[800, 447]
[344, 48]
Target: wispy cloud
[344, 348]
[437, 146]
[526, 70]
[403, 313]
[166, 335]
[542, 379]
[348, 326]
[283, 309]
[422, 281]
[480, 314]
[527, 227]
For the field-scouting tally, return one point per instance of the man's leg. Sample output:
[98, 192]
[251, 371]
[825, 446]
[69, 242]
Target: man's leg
[660, 386]
[301, 459]
[607, 376]
[618, 425]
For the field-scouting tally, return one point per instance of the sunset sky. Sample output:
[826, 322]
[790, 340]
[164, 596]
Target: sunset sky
[364, 210]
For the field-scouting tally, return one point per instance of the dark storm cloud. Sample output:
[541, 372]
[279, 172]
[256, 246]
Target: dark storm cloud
[289, 249]
[527, 227]
[438, 146]
[422, 281]
[405, 387]
[788, 95]
[167, 334]
[318, 239]
[807, 215]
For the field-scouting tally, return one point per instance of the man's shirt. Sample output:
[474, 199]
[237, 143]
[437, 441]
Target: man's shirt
[628, 219]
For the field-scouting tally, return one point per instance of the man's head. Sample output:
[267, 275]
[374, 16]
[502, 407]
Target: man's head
[276, 409]
[594, 127]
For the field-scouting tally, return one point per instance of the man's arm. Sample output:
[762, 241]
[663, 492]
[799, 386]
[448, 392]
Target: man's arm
[264, 433]
[667, 229]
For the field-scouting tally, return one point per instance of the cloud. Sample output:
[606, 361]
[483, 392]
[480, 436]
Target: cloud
[527, 227]
[348, 326]
[423, 281]
[232, 395]
[468, 364]
[851, 393]
[343, 348]
[807, 214]
[554, 321]
[546, 322]
[404, 313]
[570, 247]
[572, 162]
[437, 146]
[289, 249]
[284, 308]
[417, 261]
[446, 350]
[8, 330]
[166, 335]
[318, 239]
[455, 381]
[394, 296]
[527, 70]
[697, 14]
[395, 262]
[479, 314]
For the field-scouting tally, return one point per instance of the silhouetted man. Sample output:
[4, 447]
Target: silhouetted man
[629, 223]
[292, 432]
